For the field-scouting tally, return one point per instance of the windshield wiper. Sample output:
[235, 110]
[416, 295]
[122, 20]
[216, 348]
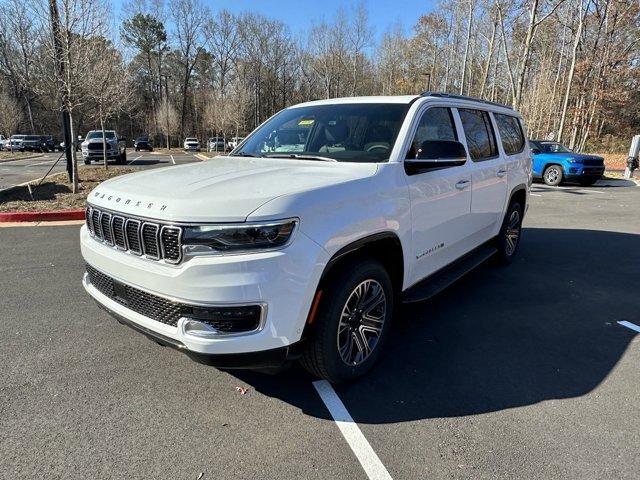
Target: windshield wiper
[301, 157]
[244, 154]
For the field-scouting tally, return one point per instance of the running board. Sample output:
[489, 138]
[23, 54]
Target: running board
[436, 283]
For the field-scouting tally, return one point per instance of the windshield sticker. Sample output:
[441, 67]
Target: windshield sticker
[306, 122]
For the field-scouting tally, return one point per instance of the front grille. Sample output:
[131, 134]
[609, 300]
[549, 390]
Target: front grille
[592, 163]
[225, 319]
[96, 146]
[154, 240]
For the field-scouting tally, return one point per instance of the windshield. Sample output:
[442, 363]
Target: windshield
[142, 139]
[32, 138]
[98, 134]
[362, 132]
[191, 140]
[552, 147]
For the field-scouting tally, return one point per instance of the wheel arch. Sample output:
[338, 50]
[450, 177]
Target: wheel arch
[384, 247]
[519, 192]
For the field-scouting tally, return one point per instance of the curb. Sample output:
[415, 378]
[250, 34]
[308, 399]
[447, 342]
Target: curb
[57, 215]
[28, 157]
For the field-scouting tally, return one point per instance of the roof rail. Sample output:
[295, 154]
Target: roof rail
[463, 97]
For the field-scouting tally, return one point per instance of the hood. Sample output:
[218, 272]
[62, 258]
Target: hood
[576, 156]
[99, 140]
[226, 189]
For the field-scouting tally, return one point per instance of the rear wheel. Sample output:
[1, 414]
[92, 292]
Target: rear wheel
[352, 323]
[510, 233]
[552, 175]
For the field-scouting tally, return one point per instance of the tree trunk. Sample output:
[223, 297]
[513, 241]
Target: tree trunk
[104, 141]
[466, 48]
[74, 158]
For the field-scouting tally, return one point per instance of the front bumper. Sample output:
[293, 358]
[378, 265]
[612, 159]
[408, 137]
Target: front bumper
[111, 154]
[582, 171]
[285, 281]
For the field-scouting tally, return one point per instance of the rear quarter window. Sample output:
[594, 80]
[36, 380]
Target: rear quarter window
[478, 132]
[511, 134]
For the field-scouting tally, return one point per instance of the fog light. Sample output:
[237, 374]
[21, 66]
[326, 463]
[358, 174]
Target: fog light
[212, 321]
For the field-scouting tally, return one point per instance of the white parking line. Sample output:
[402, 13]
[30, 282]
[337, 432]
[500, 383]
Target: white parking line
[174, 162]
[372, 465]
[535, 194]
[134, 159]
[630, 325]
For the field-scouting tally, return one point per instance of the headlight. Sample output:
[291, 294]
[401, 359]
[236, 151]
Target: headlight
[240, 237]
[575, 160]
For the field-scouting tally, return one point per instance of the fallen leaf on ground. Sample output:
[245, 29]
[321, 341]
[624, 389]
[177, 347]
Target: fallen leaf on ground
[242, 390]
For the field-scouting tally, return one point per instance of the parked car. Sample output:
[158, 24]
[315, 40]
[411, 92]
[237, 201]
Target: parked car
[216, 144]
[48, 142]
[191, 144]
[93, 147]
[234, 142]
[32, 143]
[555, 163]
[143, 143]
[303, 254]
[15, 143]
[3, 140]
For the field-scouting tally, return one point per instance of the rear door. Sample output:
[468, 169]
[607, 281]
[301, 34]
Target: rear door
[488, 173]
[440, 200]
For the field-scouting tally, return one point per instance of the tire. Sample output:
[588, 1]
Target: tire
[552, 175]
[510, 234]
[87, 162]
[122, 159]
[322, 356]
[136, 150]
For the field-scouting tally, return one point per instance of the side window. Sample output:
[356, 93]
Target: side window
[510, 133]
[479, 134]
[436, 124]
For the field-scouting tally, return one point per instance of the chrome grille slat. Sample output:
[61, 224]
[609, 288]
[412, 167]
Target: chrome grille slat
[156, 241]
[150, 243]
[133, 236]
[105, 225]
[117, 225]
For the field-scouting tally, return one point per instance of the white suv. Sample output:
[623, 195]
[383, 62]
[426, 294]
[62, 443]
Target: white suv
[300, 245]
[191, 144]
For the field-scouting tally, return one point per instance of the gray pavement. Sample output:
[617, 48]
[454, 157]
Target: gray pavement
[16, 172]
[513, 372]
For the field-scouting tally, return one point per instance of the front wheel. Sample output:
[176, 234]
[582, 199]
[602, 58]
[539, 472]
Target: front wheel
[510, 233]
[552, 175]
[352, 323]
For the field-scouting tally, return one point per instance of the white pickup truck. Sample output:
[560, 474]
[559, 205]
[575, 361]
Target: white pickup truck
[300, 244]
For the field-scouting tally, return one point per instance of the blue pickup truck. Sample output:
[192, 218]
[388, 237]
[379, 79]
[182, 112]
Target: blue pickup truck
[555, 163]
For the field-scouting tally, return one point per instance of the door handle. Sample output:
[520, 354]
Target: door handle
[501, 173]
[462, 184]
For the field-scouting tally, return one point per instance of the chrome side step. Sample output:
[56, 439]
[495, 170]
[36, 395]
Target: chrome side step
[436, 283]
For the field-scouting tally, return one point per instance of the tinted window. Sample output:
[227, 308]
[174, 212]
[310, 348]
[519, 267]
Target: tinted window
[479, 134]
[360, 132]
[435, 124]
[510, 133]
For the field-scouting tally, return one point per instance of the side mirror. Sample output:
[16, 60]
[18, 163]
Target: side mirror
[436, 154]
[535, 151]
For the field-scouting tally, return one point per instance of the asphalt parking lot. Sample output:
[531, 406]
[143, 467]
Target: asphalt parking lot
[516, 372]
[15, 172]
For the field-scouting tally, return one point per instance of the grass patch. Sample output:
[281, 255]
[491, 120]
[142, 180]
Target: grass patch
[17, 155]
[55, 192]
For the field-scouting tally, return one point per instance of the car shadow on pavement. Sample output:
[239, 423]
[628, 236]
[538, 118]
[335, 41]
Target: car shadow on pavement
[503, 337]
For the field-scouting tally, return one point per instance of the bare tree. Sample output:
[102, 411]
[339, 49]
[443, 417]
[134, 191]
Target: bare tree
[10, 114]
[168, 120]
[110, 90]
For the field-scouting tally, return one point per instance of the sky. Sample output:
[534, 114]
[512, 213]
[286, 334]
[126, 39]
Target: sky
[300, 15]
